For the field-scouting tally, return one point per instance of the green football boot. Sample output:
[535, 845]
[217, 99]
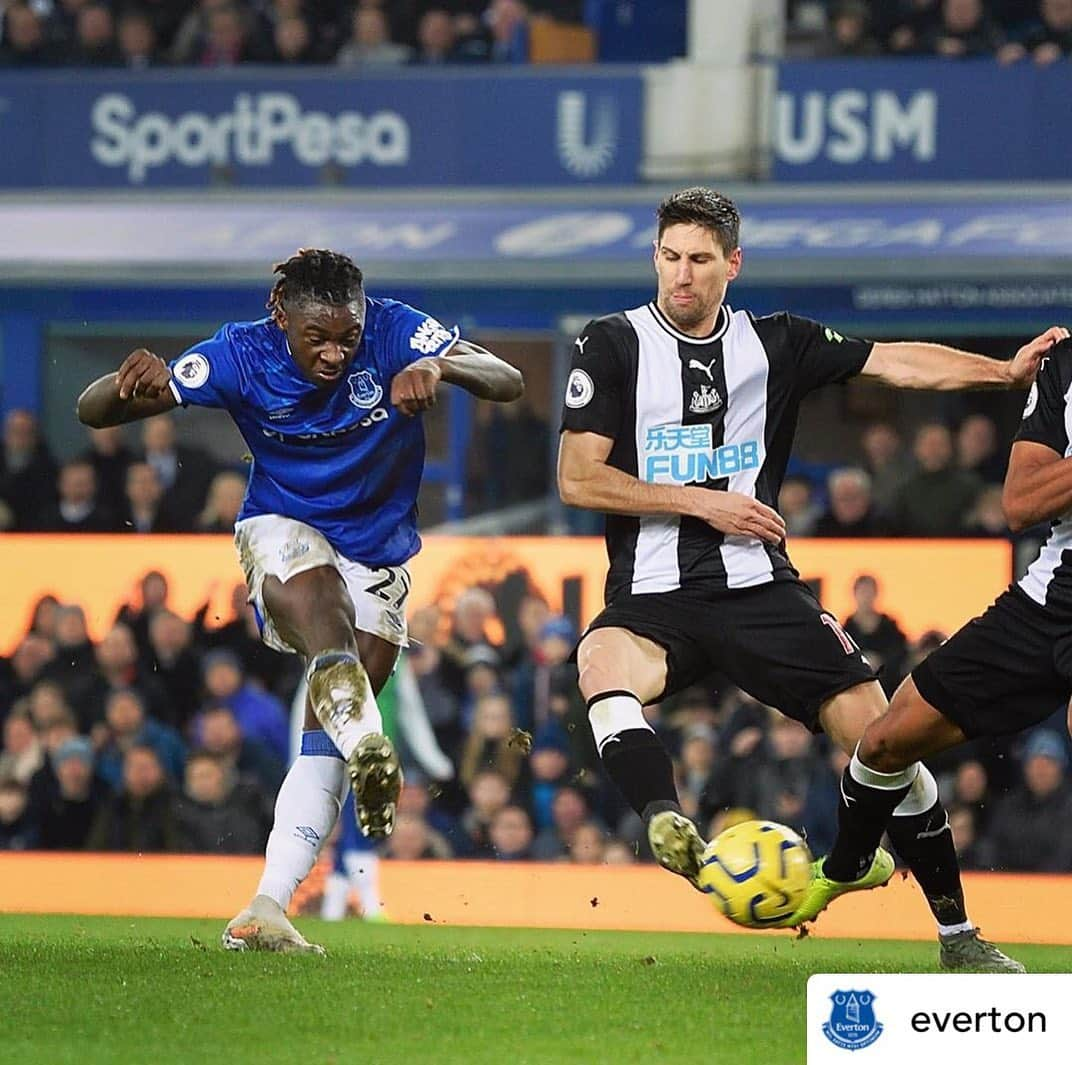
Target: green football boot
[968, 952]
[823, 891]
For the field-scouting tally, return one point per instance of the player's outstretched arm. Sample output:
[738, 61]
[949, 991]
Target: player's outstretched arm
[585, 480]
[906, 364]
[466, 365]
[140, 388]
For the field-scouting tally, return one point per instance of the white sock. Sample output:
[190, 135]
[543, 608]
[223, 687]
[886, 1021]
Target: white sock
[922, 795]
[951, 929]
[336, 896]
[306, 810]
[342, 724]
[363, 868]
[612, 712]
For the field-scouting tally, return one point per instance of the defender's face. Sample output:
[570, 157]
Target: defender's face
[693, 273]
[323, 339]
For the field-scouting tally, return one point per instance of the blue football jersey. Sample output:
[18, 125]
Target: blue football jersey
[340, 459]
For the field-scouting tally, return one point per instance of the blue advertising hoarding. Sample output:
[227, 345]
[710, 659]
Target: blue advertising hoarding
[249, 129]
[922, 120]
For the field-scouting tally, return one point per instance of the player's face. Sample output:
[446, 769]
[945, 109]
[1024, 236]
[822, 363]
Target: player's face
[323, 339]
[693, 273]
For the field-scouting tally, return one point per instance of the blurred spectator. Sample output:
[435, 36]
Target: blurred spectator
[218, 733]
[152, 595]
[970, 792]
[508, 429]
[965, 30]
[697, 761]
[185, 472]
[488, 792]
[27, 470]
[137, 39]
[589, 844]
[508, 21]
[22, 754]
[546, 684]
[972, 853]
[977, 447]
[474, 611]
[146, 510]
[260, 716]
[241, 635]
[119, 667]
[849, 33]
[435, 38]
[293, 42]
[618, 852]
[229, 40]
[441, 702]
[1031, 830]
[886, 462]
[129, 727]
[175, 664]
[18, 830]
[74, 661]
[877, 634]
[219, 813]
[790, 771]
[490, 743]
[569, 810]
[43, 618]
[141, 817]
[851, 511]
[47, 704]
[110, 457]
[414, 840]
[20, 672]
[44, 784]
[934, 501]
[797, 506]
[987, 516]
[78, 508]
[370, 43]
[25, 41]
[67, 815]
[1048, 40]
[94, 44]
[511, 834]
[226, 494]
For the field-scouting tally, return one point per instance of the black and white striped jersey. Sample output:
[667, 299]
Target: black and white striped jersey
[718, 412]
[1048, 420]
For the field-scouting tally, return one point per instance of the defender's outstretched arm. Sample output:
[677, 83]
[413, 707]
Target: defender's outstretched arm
[909, 364]
[140, 388]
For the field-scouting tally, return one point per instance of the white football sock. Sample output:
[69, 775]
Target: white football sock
[336, 896]
[306, 810]
[341, 719]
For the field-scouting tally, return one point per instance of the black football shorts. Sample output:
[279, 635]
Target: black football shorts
[775, 642]
[1004, 671]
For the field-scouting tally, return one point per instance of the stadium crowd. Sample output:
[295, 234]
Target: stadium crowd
[1039, 31]
[139, 34]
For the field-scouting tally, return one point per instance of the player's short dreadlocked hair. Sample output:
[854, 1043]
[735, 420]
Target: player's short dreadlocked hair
[703, 207]
[317, 276]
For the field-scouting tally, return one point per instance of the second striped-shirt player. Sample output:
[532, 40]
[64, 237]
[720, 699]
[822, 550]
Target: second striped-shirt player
[677, 424]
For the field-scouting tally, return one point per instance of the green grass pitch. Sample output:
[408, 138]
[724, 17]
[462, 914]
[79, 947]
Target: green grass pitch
[87, 990]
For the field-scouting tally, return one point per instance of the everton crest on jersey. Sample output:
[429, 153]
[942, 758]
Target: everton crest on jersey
[340, 459]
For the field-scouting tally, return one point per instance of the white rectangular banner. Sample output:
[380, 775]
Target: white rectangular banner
[925, 1018]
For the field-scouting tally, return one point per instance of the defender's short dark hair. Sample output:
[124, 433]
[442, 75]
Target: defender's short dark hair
[698, 206]
[316, 275]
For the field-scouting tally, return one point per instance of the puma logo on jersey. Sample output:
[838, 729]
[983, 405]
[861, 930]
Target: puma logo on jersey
[695, 364]
[580, 342]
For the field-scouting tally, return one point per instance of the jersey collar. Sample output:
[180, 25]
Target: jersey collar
[722, 323]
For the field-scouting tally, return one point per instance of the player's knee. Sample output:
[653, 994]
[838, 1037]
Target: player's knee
[880, 748]
[595, 667]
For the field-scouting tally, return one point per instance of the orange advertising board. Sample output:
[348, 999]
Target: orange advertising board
[1012, 909]
[925, 583]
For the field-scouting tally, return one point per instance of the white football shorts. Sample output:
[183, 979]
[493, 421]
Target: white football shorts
[271, 545]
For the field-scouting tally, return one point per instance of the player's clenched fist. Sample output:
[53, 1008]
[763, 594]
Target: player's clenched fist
[1025, 364]
[142, 374]
[738, 515]
[414, 389]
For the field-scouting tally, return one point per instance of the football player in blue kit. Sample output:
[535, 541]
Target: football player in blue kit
[325, 390]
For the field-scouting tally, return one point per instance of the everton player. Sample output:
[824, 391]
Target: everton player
[325, 391]
[678, 421]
